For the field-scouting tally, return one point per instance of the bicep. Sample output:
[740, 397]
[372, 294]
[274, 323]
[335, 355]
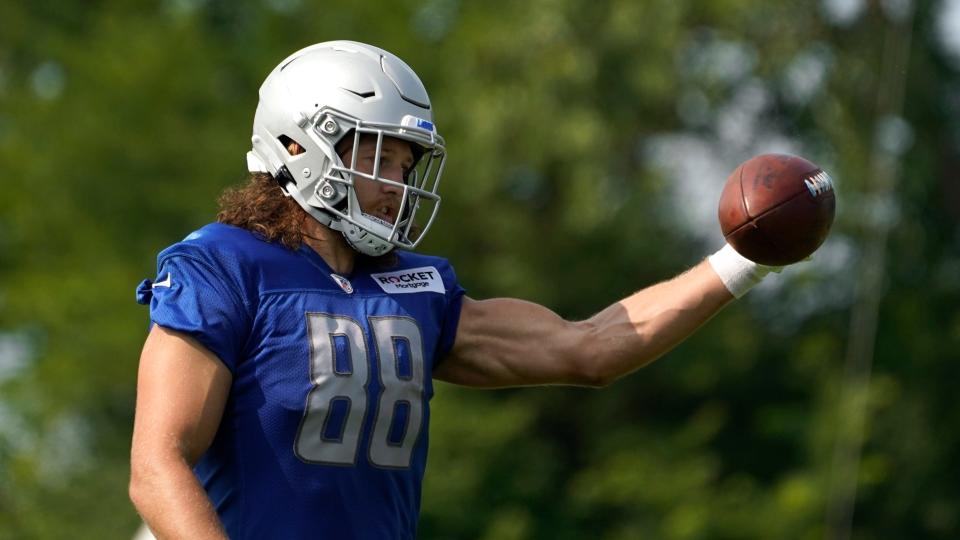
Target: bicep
[182, 389]
[509, 342]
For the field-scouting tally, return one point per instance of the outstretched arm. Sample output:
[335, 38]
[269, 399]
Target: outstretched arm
[507, 342]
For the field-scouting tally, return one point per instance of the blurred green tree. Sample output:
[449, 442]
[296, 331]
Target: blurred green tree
[587, 142]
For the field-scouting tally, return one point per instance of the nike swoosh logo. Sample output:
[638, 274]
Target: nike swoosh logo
[164, 283]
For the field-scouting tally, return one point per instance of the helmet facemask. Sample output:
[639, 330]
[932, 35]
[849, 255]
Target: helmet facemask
[418, 199]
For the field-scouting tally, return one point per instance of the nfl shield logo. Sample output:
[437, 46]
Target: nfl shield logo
[343, 283]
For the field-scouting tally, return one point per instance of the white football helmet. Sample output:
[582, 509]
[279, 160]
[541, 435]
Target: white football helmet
[325, 92]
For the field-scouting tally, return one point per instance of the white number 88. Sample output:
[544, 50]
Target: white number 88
[349, 385]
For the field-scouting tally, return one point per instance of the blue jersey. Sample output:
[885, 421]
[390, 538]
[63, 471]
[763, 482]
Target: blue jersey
[324, 434]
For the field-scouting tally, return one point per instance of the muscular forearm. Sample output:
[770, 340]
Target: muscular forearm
[640, 328]
[171, 501]
[506, 342]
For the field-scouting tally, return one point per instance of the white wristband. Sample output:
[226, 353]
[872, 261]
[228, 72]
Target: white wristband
[737, 273]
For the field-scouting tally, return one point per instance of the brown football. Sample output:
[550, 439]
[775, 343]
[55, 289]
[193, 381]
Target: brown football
[777, 209]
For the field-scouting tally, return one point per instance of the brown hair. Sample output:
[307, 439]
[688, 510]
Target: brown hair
[260, 206]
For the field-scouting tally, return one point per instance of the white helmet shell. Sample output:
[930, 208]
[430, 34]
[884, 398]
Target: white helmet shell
[325, 92]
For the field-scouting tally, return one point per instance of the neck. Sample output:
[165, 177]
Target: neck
[330, 245]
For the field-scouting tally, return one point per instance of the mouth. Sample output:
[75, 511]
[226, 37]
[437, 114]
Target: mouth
[384, 212]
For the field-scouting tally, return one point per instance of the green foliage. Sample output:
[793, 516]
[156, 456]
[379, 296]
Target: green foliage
[121, 122]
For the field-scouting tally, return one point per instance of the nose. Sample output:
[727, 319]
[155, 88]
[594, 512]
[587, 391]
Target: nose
[395, 174]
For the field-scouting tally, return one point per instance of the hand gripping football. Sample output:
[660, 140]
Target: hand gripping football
[777, 209]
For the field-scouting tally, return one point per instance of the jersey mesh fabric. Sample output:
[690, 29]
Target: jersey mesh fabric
[270, 471]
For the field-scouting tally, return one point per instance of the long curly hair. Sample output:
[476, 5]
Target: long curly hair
[260, 206]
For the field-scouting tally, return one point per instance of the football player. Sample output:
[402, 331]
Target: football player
[285, 383]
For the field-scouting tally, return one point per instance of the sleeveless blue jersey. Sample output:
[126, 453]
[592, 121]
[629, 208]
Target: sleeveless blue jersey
[324, 434]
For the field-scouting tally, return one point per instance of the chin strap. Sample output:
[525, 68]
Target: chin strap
[364, 241]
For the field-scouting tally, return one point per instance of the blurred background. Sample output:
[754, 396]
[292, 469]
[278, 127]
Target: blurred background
[588, 142]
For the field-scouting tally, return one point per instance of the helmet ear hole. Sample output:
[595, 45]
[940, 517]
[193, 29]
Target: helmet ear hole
[292, 147]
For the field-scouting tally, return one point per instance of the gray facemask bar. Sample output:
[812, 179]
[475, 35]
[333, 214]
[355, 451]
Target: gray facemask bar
[422, 186]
